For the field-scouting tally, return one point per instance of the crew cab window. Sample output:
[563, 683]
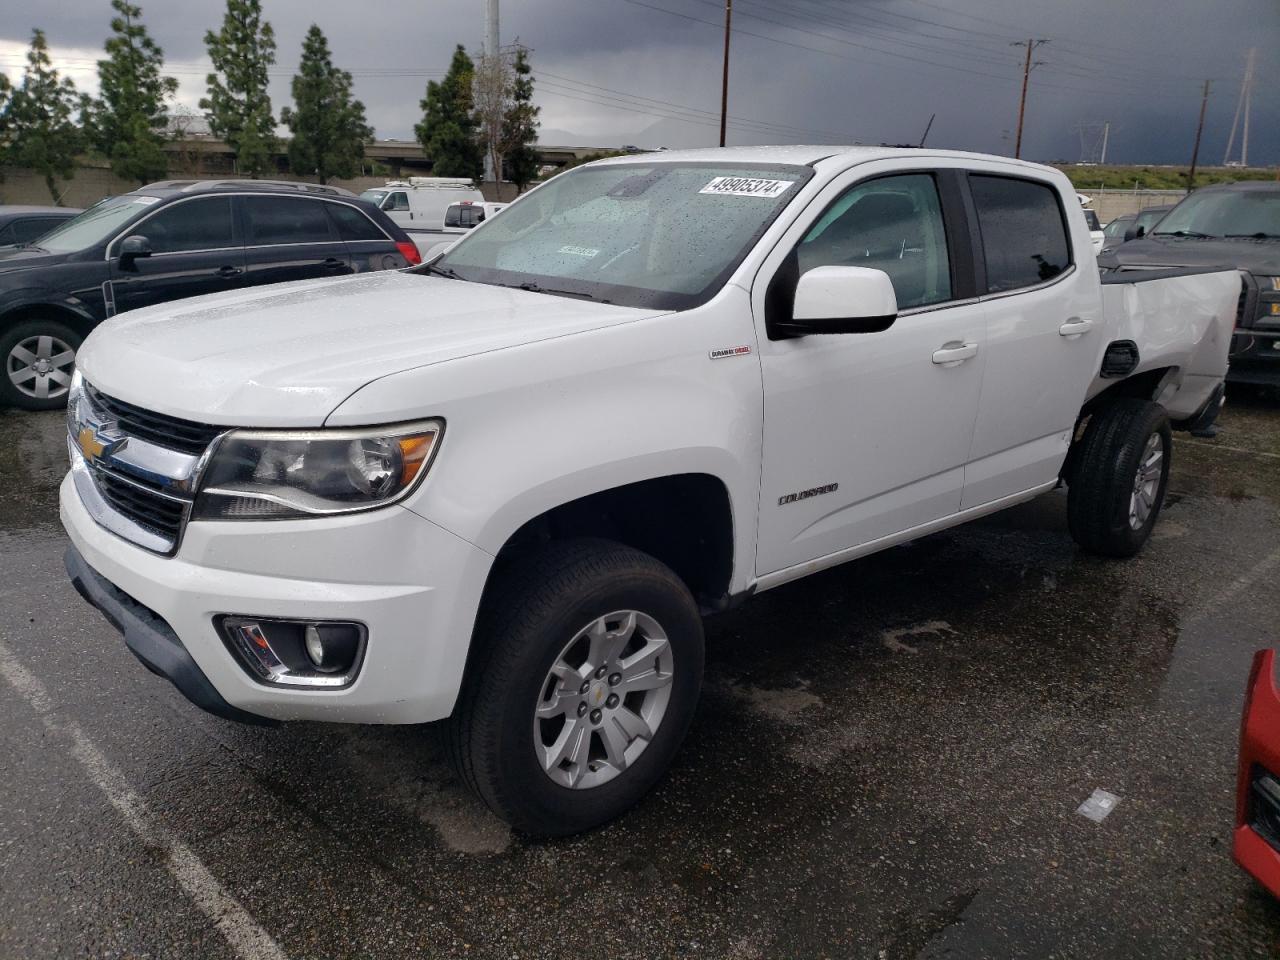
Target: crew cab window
[397, 201]
[353, 224]
[453, 216]
[892, 224]
[1024, 235]
[285, 220]
[203, 224]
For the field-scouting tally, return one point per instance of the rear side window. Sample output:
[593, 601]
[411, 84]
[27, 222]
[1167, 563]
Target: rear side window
[453, 216]
[353, 224]
[24, 231]
[286, 220]
[190, 225]
[6, 234]
[1024, 236]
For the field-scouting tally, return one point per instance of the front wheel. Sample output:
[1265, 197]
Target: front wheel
[39, 359]
[587, 672]
[1118, 480]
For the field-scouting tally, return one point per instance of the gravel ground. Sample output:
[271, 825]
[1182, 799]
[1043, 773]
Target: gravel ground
[886, 763]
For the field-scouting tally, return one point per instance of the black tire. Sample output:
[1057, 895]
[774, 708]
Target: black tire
[1104, 472]
[529, 614]
[24, 332]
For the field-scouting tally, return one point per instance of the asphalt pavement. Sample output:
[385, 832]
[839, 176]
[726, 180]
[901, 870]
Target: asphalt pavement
[887, 763]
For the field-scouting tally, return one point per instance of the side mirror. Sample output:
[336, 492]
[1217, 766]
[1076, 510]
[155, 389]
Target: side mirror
[133, 247]
[1135, 233]
[842, 300]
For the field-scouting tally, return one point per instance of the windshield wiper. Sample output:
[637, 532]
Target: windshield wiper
[1260, 235]
[447, 272]
[538, 288]
[1194, 234]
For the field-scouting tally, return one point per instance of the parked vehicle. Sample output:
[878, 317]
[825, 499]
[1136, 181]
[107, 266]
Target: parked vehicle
[649, 389]
[420, 203]
[1232, 225]
[23, 224]
[1091, 218]
[169, 240]
[1256, 844]
[1144, 221]
[466, 214]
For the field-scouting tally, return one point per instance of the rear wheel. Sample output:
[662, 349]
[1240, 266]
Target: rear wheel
[588, 671]
[1119, 476]
[39, 359]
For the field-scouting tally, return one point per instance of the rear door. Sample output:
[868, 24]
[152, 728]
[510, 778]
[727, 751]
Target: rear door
[1044, 327]
[368, 244]
[195, 249]
[290, 238]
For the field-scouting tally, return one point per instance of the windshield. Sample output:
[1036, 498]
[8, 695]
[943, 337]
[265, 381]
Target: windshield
[1225, 213]
[656, 235]
[100, 222]
[375, 197]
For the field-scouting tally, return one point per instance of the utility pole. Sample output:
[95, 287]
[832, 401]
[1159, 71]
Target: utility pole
[1242, 104]
[1106, 135]
[491, 48]
[1030, 44]
[1195, 151]
[724, 82]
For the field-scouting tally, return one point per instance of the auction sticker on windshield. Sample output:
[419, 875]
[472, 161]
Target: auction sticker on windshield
[747, 187]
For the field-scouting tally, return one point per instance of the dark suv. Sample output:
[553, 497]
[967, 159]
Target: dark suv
[166, 241]
[1230, 225]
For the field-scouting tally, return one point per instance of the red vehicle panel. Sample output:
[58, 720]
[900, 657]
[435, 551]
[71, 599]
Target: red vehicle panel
[1256, 845]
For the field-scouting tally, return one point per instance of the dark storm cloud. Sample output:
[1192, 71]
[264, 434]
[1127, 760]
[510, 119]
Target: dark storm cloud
[895, 62]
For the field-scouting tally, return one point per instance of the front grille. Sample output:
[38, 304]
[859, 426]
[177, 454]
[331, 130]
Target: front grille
[139, 503]
[158, 428]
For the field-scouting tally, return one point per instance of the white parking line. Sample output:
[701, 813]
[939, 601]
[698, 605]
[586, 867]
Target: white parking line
[245, 935]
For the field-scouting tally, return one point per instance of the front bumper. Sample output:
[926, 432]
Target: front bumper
[415, 586]
[1255, 357]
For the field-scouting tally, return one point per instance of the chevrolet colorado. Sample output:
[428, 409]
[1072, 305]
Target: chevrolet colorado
[501, 489]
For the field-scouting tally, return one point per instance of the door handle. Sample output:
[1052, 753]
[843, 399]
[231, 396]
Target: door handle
[333, 263]
[954, 352]
[229, 271]
[1075, 326]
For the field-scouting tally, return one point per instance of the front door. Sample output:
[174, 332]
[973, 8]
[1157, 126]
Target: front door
[194, 250]
[866, 435]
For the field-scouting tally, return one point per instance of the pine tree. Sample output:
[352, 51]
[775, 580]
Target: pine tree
[520, 125]
[42, 133]
[127, 122]
[238, 105]
[448, 128]
[328, 126]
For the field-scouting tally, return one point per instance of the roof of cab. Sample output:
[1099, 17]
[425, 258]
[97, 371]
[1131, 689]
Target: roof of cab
[803, 155]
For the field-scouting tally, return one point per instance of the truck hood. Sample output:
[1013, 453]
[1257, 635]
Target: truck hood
[289, 354]
[1260, 257]
[19, 259]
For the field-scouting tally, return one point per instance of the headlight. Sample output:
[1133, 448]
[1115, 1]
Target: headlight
[282, 474]
[1268, 298]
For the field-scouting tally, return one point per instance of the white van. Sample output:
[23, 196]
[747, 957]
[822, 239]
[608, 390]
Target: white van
[465, 214]
[419, 203]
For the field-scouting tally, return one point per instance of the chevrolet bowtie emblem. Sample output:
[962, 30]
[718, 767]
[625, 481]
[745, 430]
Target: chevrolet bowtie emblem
[94, 445]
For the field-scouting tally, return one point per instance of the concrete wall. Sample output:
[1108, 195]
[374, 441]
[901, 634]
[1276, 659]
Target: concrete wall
[1114, 203]
[91, 184]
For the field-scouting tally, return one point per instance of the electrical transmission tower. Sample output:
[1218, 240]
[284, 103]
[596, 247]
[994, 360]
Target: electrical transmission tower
[1094, 135]
[1246, 94]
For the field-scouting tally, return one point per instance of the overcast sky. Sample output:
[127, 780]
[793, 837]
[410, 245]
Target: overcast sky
[648, 71]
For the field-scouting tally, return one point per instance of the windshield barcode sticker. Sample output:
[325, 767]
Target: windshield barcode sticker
[587, 252]
[747, 187]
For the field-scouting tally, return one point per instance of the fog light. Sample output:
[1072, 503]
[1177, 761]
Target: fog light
[332, 647]
[296, 653]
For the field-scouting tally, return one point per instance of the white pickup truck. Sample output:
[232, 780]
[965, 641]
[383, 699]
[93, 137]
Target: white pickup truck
[501, 490]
